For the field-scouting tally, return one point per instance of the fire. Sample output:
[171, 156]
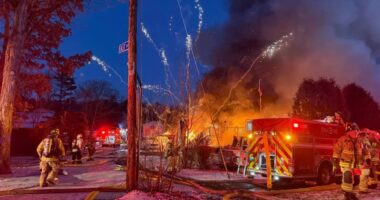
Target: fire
[191, 136]
[231, 122]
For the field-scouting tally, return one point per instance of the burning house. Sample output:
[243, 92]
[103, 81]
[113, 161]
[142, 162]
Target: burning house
[264, 51]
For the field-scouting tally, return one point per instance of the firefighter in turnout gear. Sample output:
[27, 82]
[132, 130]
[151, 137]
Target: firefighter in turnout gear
[373, 148]
[350, 155]
[49, 151]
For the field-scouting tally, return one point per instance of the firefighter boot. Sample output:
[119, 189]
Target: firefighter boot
[350, 196]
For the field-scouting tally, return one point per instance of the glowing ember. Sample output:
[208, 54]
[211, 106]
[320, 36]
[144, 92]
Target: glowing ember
[200, 17]
[272, 49]
[106, 68]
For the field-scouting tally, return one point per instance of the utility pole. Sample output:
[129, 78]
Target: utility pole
[132, 165]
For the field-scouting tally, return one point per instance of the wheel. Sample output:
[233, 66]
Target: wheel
[373, 186]
[324, 175]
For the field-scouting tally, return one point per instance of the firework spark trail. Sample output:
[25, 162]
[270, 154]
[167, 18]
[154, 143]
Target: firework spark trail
[153, 88]
[161, 53]
[147, 35]
[276, 46]
[187, 33]
[268, 52]
[171, 23]
[200, 18]
[102, 64]
[164, 58]
[106, 68]
[158, 89]
[188, 43]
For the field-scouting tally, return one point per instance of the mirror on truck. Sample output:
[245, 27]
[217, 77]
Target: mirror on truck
[249, 126]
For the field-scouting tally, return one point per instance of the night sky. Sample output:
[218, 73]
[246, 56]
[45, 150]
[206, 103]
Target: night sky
[104, 25]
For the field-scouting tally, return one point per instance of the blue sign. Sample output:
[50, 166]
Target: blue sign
[123, 47]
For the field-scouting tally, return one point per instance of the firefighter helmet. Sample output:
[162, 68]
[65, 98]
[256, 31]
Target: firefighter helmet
[352, 127]
[54, 132]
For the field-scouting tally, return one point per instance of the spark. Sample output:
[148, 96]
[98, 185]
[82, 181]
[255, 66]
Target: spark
[200, 17]
[187, 33]
[163, 57]
[102, 64]
[106, 68]
[159, 89]
[188, 43]
[268, 52]
[147, 35]
[170, 23]
[161, 53]
[276, 46]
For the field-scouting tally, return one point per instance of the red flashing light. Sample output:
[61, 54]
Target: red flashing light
[103, 132]
[296, 125]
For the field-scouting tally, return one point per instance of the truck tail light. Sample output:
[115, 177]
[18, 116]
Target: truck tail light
[296, 125]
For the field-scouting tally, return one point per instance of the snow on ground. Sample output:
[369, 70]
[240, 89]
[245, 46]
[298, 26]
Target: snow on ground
[90, 174]
[58, 196]
[137, 195]
[325, 195]
[209, 175]
[140, 195]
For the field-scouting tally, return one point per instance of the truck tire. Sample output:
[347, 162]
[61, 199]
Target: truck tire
[325, 175]
[373, 186]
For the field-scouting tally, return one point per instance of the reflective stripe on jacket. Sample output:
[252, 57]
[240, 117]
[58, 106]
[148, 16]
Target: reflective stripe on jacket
[351, 151]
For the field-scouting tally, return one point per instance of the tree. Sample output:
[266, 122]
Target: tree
[317, 99]
[99, 102]
[363, 109]
[32, 33]
[64, 87]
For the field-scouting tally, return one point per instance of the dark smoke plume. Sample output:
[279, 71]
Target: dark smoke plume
[337, 39]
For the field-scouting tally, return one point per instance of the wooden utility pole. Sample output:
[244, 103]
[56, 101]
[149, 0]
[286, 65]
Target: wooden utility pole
[132, 165]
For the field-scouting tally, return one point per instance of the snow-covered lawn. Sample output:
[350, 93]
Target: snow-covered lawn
[209, 175]
[336, 194]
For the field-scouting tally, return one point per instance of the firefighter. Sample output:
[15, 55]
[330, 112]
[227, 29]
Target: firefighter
[77, 149]
[349, 155]
[338, 119]
[373, 147]
[366, 165]
[90, 146]
[49, 151]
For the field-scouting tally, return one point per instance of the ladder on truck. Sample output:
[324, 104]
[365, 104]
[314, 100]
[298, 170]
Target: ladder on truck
[243, 157]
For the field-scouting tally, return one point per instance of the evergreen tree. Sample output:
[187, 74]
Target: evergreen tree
[64, 87]
[363, 109]
[317, 99]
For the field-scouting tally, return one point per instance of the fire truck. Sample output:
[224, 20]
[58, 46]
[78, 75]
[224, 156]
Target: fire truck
[108, 137]
[297, 148]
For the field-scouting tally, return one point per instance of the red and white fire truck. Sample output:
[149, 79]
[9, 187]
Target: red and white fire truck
[108, 136]
[298, 148]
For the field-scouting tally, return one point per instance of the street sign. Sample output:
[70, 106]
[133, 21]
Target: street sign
[123, 47]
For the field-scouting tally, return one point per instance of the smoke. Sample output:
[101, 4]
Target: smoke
[334, 39]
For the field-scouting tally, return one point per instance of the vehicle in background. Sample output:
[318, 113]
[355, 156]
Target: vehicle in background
[108, 137]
